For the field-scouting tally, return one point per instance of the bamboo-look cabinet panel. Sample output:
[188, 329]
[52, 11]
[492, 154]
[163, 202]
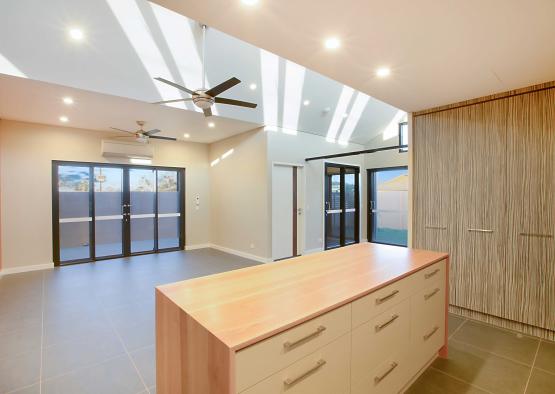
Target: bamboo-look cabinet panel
[498, 180]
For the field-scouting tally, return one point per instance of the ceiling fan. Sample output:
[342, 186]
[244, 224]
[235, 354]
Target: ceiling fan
[204, 98]
[143, 136]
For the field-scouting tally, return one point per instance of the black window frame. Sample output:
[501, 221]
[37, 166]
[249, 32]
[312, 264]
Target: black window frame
[405, 126]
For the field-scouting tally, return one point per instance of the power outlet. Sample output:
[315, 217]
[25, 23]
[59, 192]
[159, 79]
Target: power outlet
[252, 246]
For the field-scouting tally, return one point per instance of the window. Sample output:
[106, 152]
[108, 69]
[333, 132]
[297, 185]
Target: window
[403, 136]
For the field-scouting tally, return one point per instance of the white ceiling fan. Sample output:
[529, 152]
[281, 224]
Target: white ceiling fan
[143, 136]
[205, 98]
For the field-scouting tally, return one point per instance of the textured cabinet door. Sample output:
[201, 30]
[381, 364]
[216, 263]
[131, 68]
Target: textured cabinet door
[530, 266]
[435, 204]
[481, 188]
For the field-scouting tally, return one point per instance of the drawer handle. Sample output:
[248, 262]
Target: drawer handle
[380, 327]
[292, 381]
[479, 230]
[436, 227]
[387, 297]
[290, 345]
[429, 335]
[430, 274]
[537, 235]
[430, 295]
[381, 377]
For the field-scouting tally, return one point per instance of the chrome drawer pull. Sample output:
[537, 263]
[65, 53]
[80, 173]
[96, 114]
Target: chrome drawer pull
[292, 381]
[381, 377]
[387, 297]
[430, 295]
[430, 274]
[436, 227]
[290, 345]
[536, 235]
[479, 230]
[380, 327]
[429, 335]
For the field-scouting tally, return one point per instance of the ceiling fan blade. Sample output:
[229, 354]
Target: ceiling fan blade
[231, 82]
[163, 138]
[125, 131]
[172, 101]
[150, 132]
[174, 85]
[223, 100]
[207, 112]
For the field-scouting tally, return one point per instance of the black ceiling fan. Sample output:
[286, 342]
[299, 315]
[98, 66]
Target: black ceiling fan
[205, 98]
[143, 136]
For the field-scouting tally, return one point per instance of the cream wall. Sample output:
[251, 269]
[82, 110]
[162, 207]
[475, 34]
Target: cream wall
[26, 154]
[388, 158]
[239, 194]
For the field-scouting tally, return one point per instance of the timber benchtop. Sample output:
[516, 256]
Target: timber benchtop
[248, 305]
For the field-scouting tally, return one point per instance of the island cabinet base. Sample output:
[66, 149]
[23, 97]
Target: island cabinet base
[375, 340]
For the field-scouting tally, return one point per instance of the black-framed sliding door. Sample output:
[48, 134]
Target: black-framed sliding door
[103, 211]
[342, 205]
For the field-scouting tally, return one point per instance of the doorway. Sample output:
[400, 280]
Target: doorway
[102, 211]
[286, 211]
[388, 200]
[341, 205]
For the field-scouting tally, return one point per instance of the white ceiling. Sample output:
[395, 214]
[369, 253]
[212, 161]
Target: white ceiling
[41, 102]
[440, 51]
[129, 42]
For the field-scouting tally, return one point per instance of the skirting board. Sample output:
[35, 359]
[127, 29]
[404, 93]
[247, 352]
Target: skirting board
[241, 254]
[18, 270]
[198, 246]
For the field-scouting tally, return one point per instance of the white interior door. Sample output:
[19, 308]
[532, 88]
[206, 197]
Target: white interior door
[283, 205]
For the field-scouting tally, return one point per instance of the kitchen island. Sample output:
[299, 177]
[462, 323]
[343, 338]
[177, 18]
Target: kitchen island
[366, 318]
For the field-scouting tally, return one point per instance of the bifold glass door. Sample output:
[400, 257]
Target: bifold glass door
[341, 209]
[105, 211]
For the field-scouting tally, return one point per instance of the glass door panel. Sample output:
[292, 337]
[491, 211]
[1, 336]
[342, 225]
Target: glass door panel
[388, 205]
[333, 207]
[142, 209]
[169, 215]
[108, 214]
[351, 204]
[74, 215]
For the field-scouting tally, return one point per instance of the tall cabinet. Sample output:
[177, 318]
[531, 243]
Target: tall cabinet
[484, 175]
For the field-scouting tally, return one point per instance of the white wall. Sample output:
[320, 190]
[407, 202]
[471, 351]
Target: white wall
[289, 148]
[389, 158]
[26, 153]
[239, 195]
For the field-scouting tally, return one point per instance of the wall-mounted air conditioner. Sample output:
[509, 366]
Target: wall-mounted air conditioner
[126, 149]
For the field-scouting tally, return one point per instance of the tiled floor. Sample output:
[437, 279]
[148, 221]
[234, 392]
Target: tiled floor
[89, 328]
[484, 359]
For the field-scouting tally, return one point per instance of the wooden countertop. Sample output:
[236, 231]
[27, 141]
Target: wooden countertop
[245, 306]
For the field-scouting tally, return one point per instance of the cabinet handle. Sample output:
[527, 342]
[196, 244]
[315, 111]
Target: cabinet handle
[479, 230]
[387, 297]
[381, 377]
[536, 235]
[380, 327]
[430, 274]
[429, 335]
[292, 381]
[290, 345]
[430, 295]
[436, 227]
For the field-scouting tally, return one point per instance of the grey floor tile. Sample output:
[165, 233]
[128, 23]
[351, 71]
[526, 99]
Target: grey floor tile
[435, 382]
[115, 376]
[152, 390]
[33, 389]
[546, 356]
[15, 321]
[505, 343]
[138, 336]
[145, 360]
[19, 342]
[69, 330]
[492, 373]
[541, 383]
[70, 355]
[454, 323]
[19, 371]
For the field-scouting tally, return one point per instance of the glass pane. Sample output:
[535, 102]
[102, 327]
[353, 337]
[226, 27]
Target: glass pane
[333, 208]
[350, 205]
[73, 194]
[108, 211]
[404, 131]
[390, 213]
[142, 187]
[168, 209]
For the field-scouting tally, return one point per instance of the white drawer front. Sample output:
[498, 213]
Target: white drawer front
[426, 276]
[387, 378]
[373, 304]
[383, 336]
[325, 371]
[263, 359]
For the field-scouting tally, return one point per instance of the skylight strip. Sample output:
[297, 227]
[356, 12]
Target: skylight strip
[392, 129]
[269, 65]
[294, 81]
[354, 117]
[8, 68]
[340, 109]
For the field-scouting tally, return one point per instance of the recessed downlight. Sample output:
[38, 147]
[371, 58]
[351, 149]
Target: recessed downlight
[64, 119]
[68, 100]
[249, 2]
[306, 102]
[76, 34]
[186, 135]
[332, 43]
[383, 72]
[211, 125]
[252, 86]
